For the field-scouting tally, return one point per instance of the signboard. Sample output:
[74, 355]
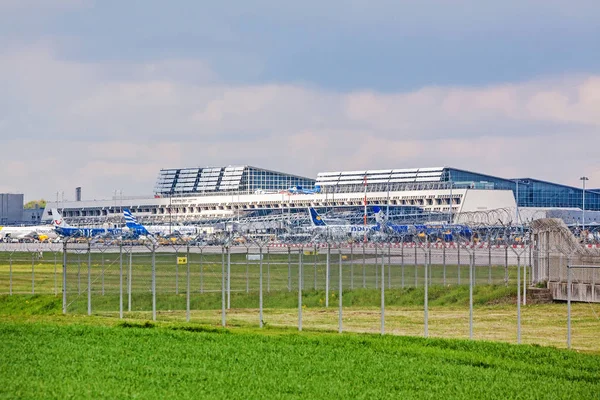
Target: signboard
[181, 260]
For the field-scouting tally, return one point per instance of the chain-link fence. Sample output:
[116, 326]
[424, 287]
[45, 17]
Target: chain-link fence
[327, 281]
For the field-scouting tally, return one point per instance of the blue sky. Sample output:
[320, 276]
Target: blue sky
[96, 89]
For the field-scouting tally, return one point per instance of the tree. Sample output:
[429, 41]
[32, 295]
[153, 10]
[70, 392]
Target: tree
[35, 204]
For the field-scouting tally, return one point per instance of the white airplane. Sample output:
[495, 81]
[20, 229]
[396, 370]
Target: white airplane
[346, 230]
[38, 232]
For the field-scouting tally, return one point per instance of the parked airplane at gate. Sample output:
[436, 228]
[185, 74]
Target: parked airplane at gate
[319, 225]
[64, 229]
[441, 231]
[163, 230]
[39, 232]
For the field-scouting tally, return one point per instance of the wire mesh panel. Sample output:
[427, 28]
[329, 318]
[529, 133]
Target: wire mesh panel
[420, 283]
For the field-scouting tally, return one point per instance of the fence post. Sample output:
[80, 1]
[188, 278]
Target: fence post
[55, 282]
[444, 264]
[247, 271]
[300, 290]
[376, 268]
[458, 263]
[518, 298]
[506, 265]
[315, 267]
[102, 271]
[402, 263]
[32, 273]
[430, 268]
[89, 276]
[78, 274]
[228, 277]
[187, 295]
[426, 297]
[382, 293]
[351, 266]
[153, 282]
[268, 270]
[64, 285]
[260, 287]
[471, 266]
[416, 268]
[10, 277]
[489, 264]
[201, 271]
[120, 279]
[340, 288]
[327, 276]
[289, 269]
[130, 273]
[568, 307]
[176, 271]
[223, 300]
[389, 265]
[364, 275]
[525, 283]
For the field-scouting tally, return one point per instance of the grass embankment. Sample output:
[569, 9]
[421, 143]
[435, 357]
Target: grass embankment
[165, 361]
[495, 316]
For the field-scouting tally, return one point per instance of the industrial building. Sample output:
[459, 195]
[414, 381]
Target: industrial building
[11, 208]
[198, 195]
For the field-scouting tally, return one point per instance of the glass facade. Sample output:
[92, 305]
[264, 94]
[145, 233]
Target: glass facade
[248, 179]
[230, 179]
[532, 192]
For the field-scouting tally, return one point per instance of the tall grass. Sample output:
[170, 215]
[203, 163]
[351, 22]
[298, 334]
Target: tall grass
[148, 361]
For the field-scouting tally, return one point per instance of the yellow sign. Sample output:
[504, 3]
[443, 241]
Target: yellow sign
[181, 260]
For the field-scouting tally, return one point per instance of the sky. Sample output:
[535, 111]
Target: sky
[103, 94]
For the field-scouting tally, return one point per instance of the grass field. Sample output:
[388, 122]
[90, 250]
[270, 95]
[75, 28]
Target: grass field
[48, 355]
[495, 315]
[48, 360]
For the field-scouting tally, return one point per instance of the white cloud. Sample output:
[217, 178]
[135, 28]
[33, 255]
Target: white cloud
[113, 126]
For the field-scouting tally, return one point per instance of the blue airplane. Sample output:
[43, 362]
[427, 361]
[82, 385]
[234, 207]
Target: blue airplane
[446, 231]
[65, 230]
[133, 225]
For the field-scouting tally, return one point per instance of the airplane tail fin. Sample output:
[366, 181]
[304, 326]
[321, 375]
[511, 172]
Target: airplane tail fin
[132, 223]
[57, 219]
[130, 220]
[315, 218]
[380, 216]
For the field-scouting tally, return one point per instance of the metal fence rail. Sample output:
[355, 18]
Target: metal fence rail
[169, 282]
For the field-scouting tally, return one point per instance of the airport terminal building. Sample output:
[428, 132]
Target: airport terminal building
[205, 195]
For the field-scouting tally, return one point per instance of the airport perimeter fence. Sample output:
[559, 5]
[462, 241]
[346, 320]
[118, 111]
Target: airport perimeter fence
[291, 285]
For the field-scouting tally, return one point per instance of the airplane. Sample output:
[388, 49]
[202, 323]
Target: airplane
[447, 232]
[63, 229]
[301, 190]
[39, 232]
[163, 230]
[132, 225]
[319, 225]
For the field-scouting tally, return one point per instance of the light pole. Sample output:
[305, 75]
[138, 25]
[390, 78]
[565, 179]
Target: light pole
[583, 179]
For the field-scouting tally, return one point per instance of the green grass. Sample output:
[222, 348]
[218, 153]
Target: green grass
[27, 273]
[145, 360]
[281, 299]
